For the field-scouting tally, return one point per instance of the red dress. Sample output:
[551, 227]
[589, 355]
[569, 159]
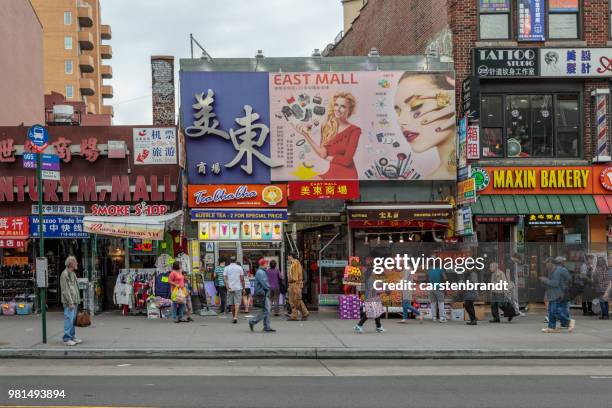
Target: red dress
[342, 149]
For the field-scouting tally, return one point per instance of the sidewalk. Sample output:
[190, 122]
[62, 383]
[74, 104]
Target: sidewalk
[322, 336]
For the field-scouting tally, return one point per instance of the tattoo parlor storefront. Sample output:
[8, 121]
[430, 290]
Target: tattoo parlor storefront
[107, 173]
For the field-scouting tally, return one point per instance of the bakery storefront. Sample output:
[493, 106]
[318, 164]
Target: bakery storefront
[103, 172]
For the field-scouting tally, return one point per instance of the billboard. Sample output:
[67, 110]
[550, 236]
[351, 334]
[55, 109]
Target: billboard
[245, 127]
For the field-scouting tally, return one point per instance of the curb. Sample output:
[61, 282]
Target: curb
[304, 353]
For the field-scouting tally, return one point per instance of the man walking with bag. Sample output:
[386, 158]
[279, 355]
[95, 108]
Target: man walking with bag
[296, 283]
[556, 285]
[262, 296]
[71, 297]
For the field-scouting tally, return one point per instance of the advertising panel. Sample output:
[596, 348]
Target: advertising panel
[576, 62]
[155, 146]
[59, 227]
[238, 196]
[531, 20]
[383, 125]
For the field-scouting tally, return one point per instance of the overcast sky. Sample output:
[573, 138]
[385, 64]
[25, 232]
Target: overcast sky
[226, 28]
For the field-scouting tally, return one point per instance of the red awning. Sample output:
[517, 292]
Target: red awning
[604, 203]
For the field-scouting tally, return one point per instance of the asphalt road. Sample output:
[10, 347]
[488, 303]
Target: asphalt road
[297, 384]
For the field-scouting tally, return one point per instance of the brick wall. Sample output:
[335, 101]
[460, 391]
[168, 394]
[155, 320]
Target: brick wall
[394, 27]
[162, 69]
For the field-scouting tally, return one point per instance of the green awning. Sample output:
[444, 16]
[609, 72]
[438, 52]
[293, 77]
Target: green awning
[534, 204]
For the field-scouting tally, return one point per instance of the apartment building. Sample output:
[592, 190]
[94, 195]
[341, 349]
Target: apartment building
[74, 48]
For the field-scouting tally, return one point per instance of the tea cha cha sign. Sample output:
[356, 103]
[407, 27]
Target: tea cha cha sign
[318, 125]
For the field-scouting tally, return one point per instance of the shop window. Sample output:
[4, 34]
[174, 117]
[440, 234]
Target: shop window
[494, 19]
[563, 19]
[530, 126]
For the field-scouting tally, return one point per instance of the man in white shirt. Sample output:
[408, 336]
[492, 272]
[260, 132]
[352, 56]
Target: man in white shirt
[233, 275]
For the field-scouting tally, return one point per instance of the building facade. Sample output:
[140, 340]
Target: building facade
[74, 52]
[21, 44]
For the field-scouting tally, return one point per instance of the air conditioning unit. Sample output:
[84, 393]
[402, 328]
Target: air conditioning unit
[63, 113]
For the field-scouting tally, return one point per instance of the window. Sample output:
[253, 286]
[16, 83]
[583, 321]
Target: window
[68, 67]
[67, 18]
[69, 91]
[563, 19]
[67, 43]
[530, 125]
[494, 19]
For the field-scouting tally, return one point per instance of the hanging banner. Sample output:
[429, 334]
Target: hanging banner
[315, 190]
[473, 142]
[142, 231]
[531, 20]
[238, 196]
[462, 142]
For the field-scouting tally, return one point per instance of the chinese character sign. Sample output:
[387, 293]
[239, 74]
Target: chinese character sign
[155, 146]
[473, 142]
[315, 190]
[59, 227]
[226, 119]
[382, 125]
[531, 20]
[14, 227]
[576, 62]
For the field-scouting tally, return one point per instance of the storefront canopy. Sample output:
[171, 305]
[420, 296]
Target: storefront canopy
[142, 227]
[535, 204]
[604, 203]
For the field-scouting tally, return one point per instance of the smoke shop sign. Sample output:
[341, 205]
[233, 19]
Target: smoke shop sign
[506, 62]
[539, 180]
[125, 210]
[88, 189]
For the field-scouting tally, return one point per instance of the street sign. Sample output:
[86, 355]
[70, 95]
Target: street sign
[39, 137]
[49, 161]
[41, 272]
[51, 175]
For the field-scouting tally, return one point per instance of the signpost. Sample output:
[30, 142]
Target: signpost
[39, 137]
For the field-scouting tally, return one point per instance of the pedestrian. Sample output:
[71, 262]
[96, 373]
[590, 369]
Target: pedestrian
[234, 283]
[262, 295]
[435, 277]
[220, 284]
[602, 282]
[407, 298]
[587, 272]
[517, 265]
[188, 292]
[296, 283]
[71, 297]
[179, 296]
[373, 298]
[606, 296]
[500, 296]
[246, 293]
[556, 285]
[275, 278]
[469, 297]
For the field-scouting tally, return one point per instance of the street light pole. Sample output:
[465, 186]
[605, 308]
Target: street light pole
[43, 290]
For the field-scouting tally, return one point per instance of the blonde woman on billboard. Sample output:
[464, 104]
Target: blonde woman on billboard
[425, 108]
[339, 138]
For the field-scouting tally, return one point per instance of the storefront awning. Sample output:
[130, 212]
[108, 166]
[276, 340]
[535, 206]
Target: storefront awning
[142, 227]
[535, 204]
[604, 203]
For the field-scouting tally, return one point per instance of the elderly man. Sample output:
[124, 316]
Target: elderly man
[71, 297]
[556, 284]
[296, 283]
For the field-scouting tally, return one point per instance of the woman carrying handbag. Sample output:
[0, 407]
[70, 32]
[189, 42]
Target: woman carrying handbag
[372, 308]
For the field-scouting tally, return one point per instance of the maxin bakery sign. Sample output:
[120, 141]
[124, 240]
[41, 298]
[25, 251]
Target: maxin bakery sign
[538, 180]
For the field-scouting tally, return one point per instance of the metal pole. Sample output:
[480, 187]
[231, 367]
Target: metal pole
[191, 43]
[41, 237]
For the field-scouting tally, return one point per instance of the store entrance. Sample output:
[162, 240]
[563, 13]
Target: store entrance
[56, 251]
[252, 252]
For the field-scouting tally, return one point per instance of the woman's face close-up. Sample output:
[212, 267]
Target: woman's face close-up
[426, 121]
[341, 109]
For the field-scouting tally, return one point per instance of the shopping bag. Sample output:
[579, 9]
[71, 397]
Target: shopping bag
[373, 308]
[596, 306]
[83, 319]
[181, 296]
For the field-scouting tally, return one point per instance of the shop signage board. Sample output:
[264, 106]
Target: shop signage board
[13, 243]
[119, 229]
[463, 173]
[315, 190]
[60, 209]
[544, 220]
[481, 178]
[238, 196]
[470, 97]
[473, 142]
[155, 146]
[540, 180]
[240, 230]
[399, 223]
[464, 222]
[238, 215]
[494, 5]
[576, 62]
[332, 263]
[531, 20]
[14, 227]
[605, 178]
[496, 220]
[262, 126]
[506, 62]
[58, 226]
[462, 142]
[394, 215]
[112, 210]
[466, 191]
[116, 149]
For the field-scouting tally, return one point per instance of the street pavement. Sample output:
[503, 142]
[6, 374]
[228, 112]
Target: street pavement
[323, 331]
[311, 383]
